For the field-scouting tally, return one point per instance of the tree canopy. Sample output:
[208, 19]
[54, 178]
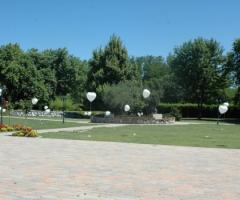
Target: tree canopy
[199, 70]
[195, 72]
[110, 65]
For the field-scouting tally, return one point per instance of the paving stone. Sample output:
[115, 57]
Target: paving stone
[49, 169]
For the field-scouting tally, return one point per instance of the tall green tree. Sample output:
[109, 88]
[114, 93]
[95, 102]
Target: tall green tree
[19, 74]
[233, 65]
[198, 67]
[110, 65]
[62, 73]
[43, 65]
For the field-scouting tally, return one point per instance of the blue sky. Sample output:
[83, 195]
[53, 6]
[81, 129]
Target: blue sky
[146, 27]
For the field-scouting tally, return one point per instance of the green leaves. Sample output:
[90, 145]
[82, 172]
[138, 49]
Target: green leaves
[196, 68]
[110, 65]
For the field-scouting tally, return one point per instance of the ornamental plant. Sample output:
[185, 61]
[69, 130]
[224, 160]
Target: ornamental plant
[6, 128]
[24, 131]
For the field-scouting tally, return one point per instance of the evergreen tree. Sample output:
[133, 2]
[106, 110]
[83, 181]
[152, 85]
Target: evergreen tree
[110, 65]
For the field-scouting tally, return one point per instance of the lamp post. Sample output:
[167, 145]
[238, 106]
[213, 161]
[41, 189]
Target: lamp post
[34, 101]
[146, 93]
[1, 91]
[2, 88]
[63, 108]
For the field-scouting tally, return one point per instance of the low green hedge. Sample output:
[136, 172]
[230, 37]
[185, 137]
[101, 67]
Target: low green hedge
[80, 114]
[191, 110]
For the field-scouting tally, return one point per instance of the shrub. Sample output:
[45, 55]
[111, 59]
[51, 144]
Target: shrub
[10, 128]
[127, 92]
[175, 112]
[3, 129]
[18, 127]
[6, 128]
[29, 133]
[57, 104]
[191, 110]
[81, 115]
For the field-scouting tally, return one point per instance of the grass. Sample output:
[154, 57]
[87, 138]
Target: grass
[212, 120]
[41, 124]
[202, 135]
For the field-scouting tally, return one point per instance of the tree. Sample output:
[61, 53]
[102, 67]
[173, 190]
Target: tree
[198, 68]
[152, 67]
[62, 73]
[19, 74]
[110, 65]
[233, 65]
[158, 77]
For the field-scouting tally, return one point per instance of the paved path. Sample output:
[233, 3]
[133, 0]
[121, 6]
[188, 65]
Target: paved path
[80, 128]
[51, 169]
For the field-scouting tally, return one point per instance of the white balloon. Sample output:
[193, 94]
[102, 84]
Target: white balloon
[222, 109]
[107, 113]
[4, 110]
[34, 100]
[126, 108]
[45, 107]
[85, 113]
[226, 104]
[89, 113]
[146, 93]
[91, 96]
[47, 111]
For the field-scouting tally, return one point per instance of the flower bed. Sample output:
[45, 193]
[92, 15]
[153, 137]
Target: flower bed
[22, 130]
[6, 128]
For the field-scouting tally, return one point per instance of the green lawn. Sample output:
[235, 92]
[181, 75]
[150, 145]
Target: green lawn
[212, 120]
[202, 135]
[41, 124]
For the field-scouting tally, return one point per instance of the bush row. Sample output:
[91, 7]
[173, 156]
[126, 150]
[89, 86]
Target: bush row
[191, 110]
[82, 114]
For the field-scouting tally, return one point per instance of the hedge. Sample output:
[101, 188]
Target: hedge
[80, 114]
[191, 110]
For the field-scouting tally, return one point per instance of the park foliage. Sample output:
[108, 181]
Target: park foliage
[196, 72]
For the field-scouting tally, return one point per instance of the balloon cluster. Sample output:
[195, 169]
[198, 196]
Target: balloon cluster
[223, 108]
[47, 110]
[140, 114]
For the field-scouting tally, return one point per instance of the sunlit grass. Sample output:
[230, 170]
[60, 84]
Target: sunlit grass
[204, 135]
